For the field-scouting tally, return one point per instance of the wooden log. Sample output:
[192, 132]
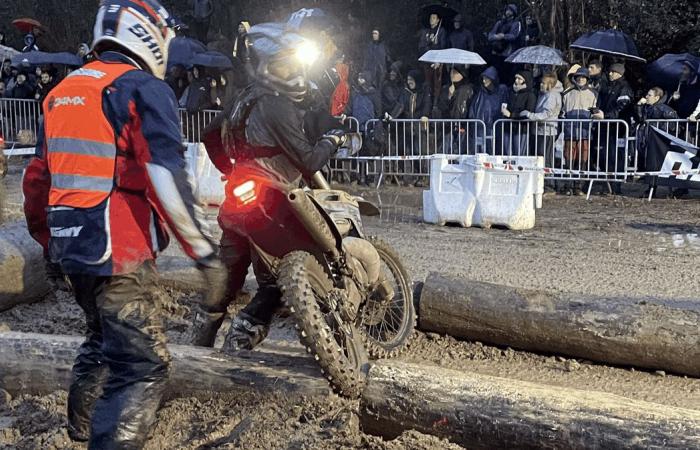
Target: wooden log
[22, 277]
[644, 332]
[39, 364]
[484, 412]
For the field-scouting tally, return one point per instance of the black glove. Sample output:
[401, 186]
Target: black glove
[336, 137]
[55, 278]
[216, 279]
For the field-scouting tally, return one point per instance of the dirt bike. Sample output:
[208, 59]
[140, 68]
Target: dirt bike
[350, 295]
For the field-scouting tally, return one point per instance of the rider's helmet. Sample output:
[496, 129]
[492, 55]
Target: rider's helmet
[283, 57]
[142, 29]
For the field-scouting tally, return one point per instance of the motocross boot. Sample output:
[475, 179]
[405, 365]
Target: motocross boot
[244, 334]
[204, 327]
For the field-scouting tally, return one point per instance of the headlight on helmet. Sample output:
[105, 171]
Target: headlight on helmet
[307, 53]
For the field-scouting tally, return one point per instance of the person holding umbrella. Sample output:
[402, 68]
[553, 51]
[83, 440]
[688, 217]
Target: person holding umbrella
[687, 94]
[433, 37]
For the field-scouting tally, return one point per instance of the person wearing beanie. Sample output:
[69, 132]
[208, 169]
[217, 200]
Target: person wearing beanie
[578, 104]
[614, 103]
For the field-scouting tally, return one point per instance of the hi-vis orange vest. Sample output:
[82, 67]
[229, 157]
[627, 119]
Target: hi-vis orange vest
[80, 141]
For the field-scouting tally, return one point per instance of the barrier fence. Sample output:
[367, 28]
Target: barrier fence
[586, 150]
[18, 121]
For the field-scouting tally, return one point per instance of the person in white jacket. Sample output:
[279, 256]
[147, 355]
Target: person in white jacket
[547, 111]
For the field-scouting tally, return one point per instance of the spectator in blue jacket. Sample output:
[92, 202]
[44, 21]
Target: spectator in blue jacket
[486, 105]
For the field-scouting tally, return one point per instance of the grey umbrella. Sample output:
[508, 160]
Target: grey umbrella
[452, 56]
[537, 54]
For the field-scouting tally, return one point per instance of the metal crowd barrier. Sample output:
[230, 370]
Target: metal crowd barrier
[18, 121]
[401, 148]
[573, 149]
[193, 124]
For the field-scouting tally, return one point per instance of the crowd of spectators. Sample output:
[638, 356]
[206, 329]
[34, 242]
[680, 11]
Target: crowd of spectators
[372, 84]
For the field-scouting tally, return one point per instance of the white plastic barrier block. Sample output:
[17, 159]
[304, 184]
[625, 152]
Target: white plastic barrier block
[205, 178]
[484, 190]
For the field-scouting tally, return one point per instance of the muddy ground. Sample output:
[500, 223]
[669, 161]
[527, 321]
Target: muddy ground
[606, 246]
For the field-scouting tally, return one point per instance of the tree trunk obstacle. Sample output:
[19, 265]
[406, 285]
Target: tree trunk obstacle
[477, 411]
[33, 363]
[643, 332]
[485, 412]
[22, 277]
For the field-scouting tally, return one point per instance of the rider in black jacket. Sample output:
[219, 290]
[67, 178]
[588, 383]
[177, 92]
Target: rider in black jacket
[266, 128]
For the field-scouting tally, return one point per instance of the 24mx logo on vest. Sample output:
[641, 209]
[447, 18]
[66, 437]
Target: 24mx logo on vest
[66, 101]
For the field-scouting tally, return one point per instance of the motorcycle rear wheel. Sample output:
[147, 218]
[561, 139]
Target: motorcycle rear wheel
[335, 343]
[388, 327]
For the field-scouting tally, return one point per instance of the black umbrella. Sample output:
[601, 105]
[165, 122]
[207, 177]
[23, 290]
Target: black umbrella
[445, 13]
[212, 59]
[666, 71]
[45, 58]
[613, 43]
[182, 50]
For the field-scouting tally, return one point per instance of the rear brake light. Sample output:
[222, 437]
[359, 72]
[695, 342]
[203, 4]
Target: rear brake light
[245, 193]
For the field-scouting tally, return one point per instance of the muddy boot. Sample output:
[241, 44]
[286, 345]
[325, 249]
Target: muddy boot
[204, 327]
[244, 335]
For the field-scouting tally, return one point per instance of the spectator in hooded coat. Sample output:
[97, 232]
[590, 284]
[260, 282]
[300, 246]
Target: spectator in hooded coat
[376, 58]
[505, 36]
[416, 104]
[460, 37]
[392, 92]
[365, 99]
[578, 103]
[486, 106]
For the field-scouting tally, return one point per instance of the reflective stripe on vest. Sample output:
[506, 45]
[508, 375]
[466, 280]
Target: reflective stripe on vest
[80, 140]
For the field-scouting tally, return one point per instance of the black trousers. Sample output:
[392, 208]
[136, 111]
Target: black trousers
[122, 367]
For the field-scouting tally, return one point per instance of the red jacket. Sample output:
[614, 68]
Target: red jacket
[341, 95]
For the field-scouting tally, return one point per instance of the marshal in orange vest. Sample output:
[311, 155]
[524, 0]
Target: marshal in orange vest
[80, 141]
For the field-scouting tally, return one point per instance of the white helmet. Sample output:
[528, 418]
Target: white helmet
[142, 28]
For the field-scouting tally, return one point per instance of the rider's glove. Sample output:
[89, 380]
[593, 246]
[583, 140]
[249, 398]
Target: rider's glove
[336, 137]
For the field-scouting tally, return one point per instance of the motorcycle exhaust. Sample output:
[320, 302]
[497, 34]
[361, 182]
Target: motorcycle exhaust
[313, 221]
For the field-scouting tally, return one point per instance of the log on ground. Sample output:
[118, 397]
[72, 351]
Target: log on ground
[485, 412]
[22, 277]
[644, 332]
[33, 363]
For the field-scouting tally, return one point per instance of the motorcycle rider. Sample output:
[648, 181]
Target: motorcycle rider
[108, 175]
[264, 129]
